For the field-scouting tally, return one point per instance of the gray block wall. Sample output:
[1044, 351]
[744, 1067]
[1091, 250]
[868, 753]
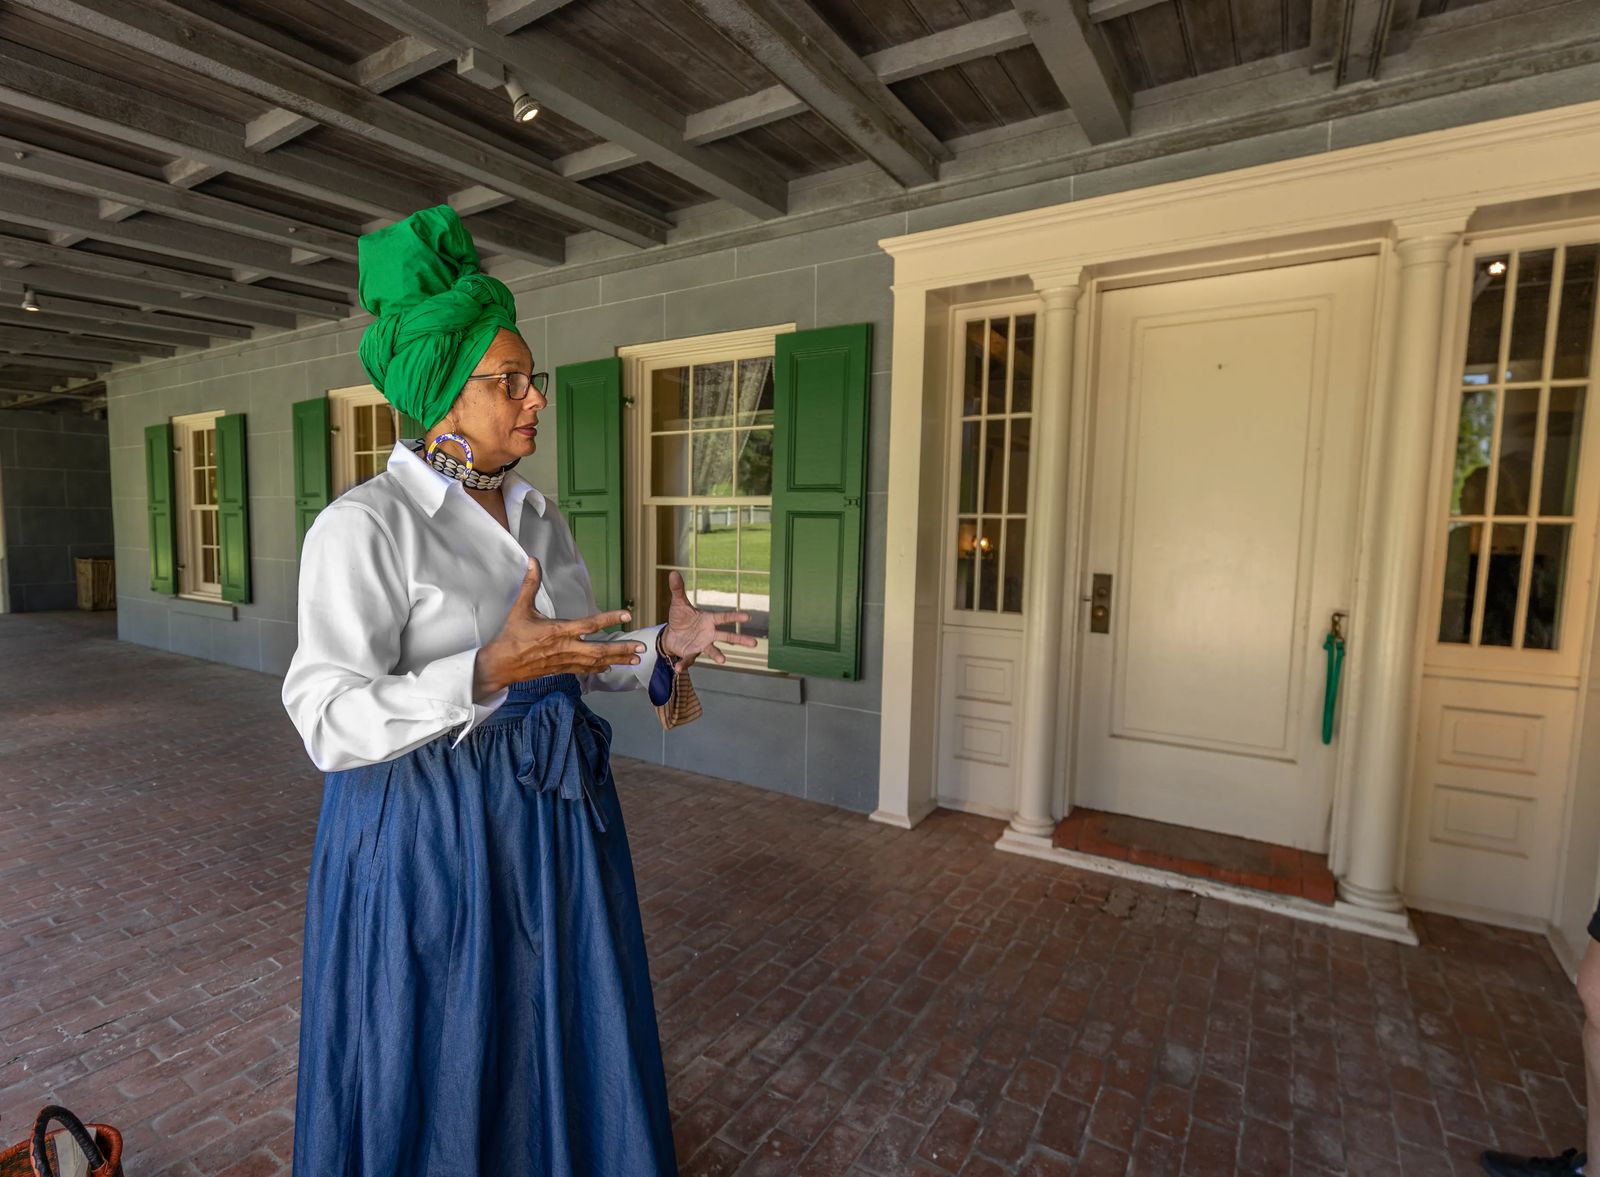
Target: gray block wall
[55, 485]
[818, 739]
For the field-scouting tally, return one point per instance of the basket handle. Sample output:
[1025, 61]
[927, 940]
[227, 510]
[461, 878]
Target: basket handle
[75, 1129]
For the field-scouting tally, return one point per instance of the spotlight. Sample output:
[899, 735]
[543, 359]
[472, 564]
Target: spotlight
[1497, 268]
[523, 108]
[29, 303]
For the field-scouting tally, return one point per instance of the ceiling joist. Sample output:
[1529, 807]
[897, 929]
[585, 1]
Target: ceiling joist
[1078, 60]
[55, 280]
[803, 52]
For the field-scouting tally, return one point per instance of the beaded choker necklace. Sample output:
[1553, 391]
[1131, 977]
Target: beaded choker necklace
[462, 472]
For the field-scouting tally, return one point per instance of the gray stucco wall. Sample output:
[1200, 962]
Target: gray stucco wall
[56, 489]
[817, 739]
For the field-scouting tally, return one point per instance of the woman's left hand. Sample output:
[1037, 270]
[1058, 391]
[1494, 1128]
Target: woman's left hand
[690, 633]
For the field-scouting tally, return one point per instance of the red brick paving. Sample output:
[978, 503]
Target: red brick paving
[1242, 862]
[836, 996]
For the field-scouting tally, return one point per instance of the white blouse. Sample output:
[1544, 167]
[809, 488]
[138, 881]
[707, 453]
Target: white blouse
[402, 579]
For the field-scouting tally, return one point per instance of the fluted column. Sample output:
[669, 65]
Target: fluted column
[1048, 515]
[1384, 642]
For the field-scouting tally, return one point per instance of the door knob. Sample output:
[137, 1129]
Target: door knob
[1100, 603]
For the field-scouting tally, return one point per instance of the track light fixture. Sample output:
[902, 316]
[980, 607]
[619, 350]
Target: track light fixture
[29, 303]
[523, 108]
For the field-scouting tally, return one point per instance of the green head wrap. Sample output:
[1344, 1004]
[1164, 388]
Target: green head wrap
[434, 312]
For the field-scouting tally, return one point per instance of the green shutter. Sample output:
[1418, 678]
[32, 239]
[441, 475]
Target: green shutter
[589, 469]
[233, 509]
[313, 470]
[819, 469]
[163, 518]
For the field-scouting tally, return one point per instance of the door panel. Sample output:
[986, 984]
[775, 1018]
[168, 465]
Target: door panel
[1224, 497]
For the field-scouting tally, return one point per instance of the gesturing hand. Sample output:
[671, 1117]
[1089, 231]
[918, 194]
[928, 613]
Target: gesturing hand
[531, 645]
[690, 633]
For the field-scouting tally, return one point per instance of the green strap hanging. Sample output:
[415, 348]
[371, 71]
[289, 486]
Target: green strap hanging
[1334, 645]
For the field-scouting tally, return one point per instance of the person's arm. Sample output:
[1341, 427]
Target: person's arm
[349, 708]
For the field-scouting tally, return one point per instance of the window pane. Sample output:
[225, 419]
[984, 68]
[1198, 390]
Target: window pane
[1563, 433]
[1575, 323]
[716, 544]
[1488, 309]
[966, 560]
[1530, 315]
[994, 467]
[208, 529]
[755, 539]
[1017, 492]
[669, 465]
[1506, 542]
[669, 399]
[675, 537]
[999, 355]
[1022, 367]
[1545, 583]
[366, 467]
[755, 599]
[972, 386]
[211, 486]
[713, 464]
[989, 565]
[717, 589]
[208, 566]
[1460, 582]
[755, 462]
[713, 395]
[197, 490]
[1474, 439]
[363, 416]
[383, 432]
[967, 494]
[755, 391]
[1016, 551]
[1518, 428]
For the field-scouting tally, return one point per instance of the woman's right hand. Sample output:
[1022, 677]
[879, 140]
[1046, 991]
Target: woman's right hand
[531, 645]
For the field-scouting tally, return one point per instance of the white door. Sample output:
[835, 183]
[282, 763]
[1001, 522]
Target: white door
[1224, 500]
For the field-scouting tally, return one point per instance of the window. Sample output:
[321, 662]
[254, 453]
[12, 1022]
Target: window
[365, 428]
[199, 538]
[1513, 497]
[702, 440]
[993, 443]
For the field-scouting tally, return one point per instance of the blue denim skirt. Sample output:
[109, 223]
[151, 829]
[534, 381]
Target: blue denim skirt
[476, 998]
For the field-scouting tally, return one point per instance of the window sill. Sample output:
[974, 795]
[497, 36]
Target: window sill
[213, 607]
[771, 685]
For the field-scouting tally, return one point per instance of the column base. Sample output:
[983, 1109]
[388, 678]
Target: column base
[1032, 827]
[1033, 845]
[1359, 896]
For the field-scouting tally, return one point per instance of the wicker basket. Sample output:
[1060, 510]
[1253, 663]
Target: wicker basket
[97, 583]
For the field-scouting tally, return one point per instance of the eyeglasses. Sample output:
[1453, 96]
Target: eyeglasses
[516, 384]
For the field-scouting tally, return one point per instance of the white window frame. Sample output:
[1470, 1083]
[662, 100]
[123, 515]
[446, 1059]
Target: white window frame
[1513, 663]
[960, 316]
[342, 406]
[184, 431]
[639, 515]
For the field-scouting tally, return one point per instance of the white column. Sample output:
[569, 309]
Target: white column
[1383, 645]
[1045, 592]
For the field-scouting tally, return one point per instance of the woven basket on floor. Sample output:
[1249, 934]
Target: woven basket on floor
[37, 1157]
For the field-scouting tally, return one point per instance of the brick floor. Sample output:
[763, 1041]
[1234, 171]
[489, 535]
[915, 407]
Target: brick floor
[836, 996]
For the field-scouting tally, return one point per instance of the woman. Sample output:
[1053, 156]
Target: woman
[475, 995]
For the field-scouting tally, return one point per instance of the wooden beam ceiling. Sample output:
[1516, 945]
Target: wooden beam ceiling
[1365, 33]
[190, 42]
[803, 52]
[141, 294]
[591, 95]
[1081, 65]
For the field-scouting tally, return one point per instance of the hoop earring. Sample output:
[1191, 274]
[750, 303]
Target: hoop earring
[433, 445]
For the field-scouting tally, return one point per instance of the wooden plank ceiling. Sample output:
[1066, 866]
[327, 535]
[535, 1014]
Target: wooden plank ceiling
[179, 173]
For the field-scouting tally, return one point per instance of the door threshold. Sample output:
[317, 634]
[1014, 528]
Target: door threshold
[1199, 854]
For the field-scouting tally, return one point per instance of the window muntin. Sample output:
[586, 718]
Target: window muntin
[1520, 418]
[708, 488]
[994, 444]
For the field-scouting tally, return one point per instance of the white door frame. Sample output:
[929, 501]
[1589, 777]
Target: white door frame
[1416, 196]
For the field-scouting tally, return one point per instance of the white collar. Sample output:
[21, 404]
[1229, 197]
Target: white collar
[429, 488]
